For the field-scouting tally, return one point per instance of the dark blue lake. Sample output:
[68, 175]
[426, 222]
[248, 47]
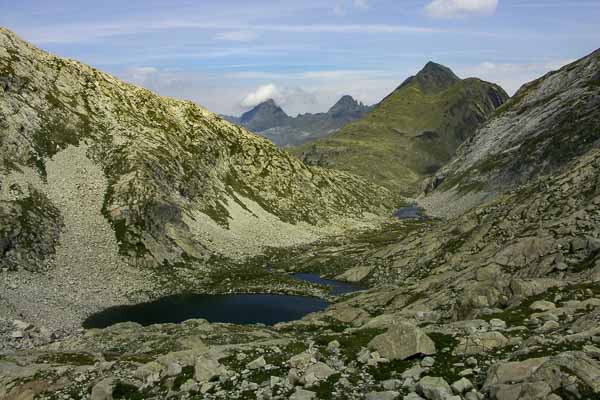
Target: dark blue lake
[240, 309]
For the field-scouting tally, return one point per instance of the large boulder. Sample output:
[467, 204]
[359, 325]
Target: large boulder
[434, 388]
[355, 274]
[317, 372]
[208, 369]
[103, 390]
[480, 342]
[387, 395]
[508, 372]
[402, 341]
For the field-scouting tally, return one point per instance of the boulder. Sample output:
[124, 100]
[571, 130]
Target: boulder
[208, 369]
[412, 396]
[301, 361]
[461, 386]
[542, 305]
[497, 324]
[517, 371]
[480, 342]
[150, 372]
[185, 358]
[434, 388]
[428, 362]
[257, 364]
[550, 326]
[103, 390]
[387, 395]
[391, 384]
[355, 274]
[173, 369]
[317, 372]
[301, 394]
[402, 341]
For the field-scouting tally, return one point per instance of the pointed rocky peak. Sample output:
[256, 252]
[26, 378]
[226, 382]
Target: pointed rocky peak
[264, 116]
[347, 105]
[432, 78]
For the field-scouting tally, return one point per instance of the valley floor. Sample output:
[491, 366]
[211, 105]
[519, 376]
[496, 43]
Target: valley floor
[501, 303]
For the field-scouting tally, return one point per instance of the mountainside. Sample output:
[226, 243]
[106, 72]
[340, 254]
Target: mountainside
[544, 125]
[100, 173]
[501, 302]
[269, 120]
[412, 132]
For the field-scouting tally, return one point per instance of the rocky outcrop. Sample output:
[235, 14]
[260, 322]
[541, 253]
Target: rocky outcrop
[546, 124]
[401, 341]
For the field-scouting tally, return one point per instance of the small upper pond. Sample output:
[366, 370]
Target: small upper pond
[409, 212]
[242, 309]
[336, 287]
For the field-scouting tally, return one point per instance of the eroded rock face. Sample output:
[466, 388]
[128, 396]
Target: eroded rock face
[542, 127]
[538, 378]
[402, 341]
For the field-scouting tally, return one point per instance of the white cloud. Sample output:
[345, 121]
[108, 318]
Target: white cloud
[511, 76]
[237, 36]
[458, 8]
[262, 93]
[294, 98]
[140, 75]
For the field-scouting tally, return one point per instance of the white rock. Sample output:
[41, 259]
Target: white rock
[461, 386]
[256, 364]
[542, 305]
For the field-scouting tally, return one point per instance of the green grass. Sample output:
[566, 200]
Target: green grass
[67, 358]
[352, 343]
[385, 146]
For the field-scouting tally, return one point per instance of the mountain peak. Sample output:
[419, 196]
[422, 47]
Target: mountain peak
[263, 116]
[269, 103]
[347, 105]
[433, 78]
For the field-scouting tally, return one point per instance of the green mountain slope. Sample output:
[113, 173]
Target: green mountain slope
[412, 132]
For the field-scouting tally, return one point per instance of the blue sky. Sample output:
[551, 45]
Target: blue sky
[228, 55]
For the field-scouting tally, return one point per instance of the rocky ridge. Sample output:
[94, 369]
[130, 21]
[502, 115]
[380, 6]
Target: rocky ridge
[546, 124]
[269, 120]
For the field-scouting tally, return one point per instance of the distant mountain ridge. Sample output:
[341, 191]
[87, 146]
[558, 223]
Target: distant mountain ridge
[412, 132]
[270, 120]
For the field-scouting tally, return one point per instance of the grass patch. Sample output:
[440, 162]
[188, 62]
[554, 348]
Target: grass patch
[67, 358]
[352, 343]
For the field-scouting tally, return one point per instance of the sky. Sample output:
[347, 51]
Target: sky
[229, 55]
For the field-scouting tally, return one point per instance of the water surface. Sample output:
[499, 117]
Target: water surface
[240, 309]
[336, 287]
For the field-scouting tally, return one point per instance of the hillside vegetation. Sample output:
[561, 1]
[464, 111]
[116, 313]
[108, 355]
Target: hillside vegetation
[411, 133]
